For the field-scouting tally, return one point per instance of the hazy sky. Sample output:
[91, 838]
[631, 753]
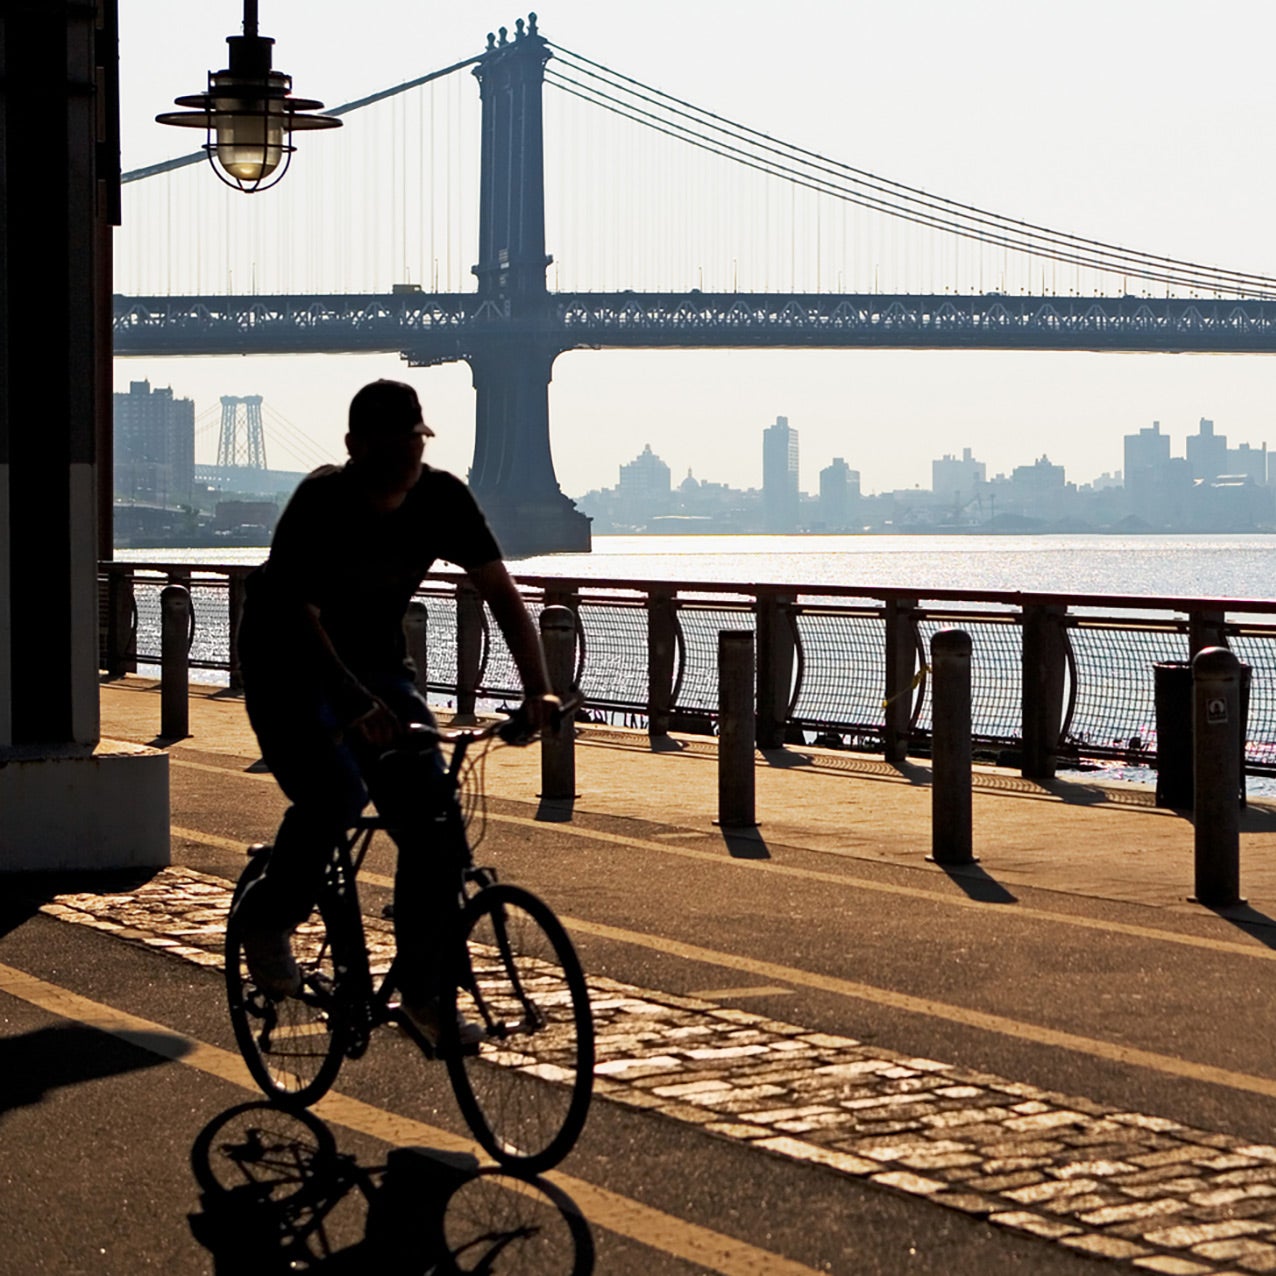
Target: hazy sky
[1123, 120]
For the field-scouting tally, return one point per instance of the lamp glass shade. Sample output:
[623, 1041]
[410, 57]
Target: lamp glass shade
[250, 144]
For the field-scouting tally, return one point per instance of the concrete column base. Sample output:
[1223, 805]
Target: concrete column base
[527, 528]
[107, 809]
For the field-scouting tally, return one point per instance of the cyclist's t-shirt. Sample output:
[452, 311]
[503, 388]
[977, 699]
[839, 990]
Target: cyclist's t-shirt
[360, 566]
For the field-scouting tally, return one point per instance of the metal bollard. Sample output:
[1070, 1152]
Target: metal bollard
[175, 637]
[1216, 725]
[558, 748]
[415, 628]
[736, 789]
[950, 748]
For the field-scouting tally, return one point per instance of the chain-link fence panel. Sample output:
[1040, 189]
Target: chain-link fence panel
[843, 677]
[700, 625]
[615, 670]
[1115, 709]
[996, 676]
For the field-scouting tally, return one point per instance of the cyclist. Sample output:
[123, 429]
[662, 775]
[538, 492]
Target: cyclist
[328, 685]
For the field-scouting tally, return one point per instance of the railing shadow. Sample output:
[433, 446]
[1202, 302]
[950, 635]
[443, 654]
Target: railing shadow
[34, 1063]
[784, 758]
[277, 1195]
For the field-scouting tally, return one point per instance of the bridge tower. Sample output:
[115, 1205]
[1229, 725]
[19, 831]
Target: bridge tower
[251, 454]
[512, 474]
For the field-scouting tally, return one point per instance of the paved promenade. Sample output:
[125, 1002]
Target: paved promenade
[839, 1057]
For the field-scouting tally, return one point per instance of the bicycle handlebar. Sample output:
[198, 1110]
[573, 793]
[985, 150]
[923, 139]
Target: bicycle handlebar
[511, 730]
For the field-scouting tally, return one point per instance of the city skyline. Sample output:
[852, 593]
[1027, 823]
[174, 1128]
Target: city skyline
[1099, 163]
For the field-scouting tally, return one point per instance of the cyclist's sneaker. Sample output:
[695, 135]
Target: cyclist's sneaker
[424, 1016]
[271, 965]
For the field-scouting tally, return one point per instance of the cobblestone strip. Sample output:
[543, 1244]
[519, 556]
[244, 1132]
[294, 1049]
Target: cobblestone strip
[1126, 1186]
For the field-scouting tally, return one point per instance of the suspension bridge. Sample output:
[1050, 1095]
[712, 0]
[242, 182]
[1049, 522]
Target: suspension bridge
[816, 234]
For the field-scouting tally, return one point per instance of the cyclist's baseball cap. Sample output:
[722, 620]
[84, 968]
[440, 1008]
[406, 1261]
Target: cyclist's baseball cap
[387, 408]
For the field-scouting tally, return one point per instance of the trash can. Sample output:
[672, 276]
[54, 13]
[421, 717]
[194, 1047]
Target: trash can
[1172, 686]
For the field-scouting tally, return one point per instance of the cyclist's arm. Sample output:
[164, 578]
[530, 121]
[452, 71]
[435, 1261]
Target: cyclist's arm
[494, 585]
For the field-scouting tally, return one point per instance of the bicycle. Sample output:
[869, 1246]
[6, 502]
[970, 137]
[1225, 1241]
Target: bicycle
[524, 1089]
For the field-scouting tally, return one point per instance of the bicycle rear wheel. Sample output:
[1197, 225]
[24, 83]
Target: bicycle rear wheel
[525, 1089]
[293, 1046]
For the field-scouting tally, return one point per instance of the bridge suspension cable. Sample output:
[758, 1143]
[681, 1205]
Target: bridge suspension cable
[591, 81]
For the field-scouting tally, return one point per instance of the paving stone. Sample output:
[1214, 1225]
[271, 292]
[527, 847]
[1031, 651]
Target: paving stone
[1255, 1255]
[1036, 1224]
[1194, 1234]
[1105, 1246]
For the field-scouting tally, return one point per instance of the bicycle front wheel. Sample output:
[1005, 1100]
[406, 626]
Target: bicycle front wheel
[525, 1089]
[293, 1046]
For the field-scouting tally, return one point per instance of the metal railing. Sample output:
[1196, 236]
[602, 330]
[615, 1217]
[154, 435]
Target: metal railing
[1055, 678]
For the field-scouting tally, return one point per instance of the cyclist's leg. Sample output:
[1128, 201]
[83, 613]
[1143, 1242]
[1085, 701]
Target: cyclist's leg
[419, 804]
[320, 775]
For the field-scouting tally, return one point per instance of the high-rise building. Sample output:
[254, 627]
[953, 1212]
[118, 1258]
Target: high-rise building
[780, 476]
[957, 481]
[154, 446]
[839, 496]
[1249, 461]
[1207, 452]
[644, 490]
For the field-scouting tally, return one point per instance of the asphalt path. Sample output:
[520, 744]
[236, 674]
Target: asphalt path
[116, 1057]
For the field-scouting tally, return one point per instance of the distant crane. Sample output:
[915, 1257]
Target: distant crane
[246, 450]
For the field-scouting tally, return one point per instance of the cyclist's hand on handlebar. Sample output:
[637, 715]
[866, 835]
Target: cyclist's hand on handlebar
[535, 715]
[379, 726]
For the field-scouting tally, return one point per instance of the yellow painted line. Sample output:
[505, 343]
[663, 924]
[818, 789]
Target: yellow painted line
[1036, 1034]
[844, 880]
[847, 881]
[240, 847]
[699, 1246]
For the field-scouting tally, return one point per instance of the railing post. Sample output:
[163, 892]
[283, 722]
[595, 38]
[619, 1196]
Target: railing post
[736, 801]
[121, 620]
[662, 644]
[416, 633]
[175, 635]
[235, 593]
[776, 649]
[901, 655]
[950, 747]
[1044, 676]
[1216, 726]
[558, 748]
[469, 651]
[1206, 629]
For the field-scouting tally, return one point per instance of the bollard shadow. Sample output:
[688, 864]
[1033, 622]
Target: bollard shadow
[556, 810]
[745, 843]
[784, 758]
[34, 1063]
[977, 883]
[277, 1195]
[1257, 925]
[666, 744]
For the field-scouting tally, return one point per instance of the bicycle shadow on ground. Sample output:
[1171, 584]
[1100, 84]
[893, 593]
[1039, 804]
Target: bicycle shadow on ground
[34, 1063]
[277, 1195]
